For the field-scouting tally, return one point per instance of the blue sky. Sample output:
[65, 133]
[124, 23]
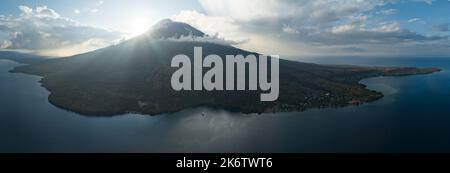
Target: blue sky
[285, 27]
[434, 14]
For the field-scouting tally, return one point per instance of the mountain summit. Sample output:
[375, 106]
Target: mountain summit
[170, 29]
[135, 76]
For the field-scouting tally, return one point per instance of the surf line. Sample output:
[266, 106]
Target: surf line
[213, 78]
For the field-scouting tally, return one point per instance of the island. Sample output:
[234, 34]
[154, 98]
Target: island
[134, 77]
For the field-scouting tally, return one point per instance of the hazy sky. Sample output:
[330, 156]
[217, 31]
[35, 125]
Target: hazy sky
[285, 27]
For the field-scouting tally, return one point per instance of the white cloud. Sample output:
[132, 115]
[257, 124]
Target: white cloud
[43, 30]
[388, 12]
[387, 28]
[343, 28]
[40, 12]
[429, 2]
[416, 20]
[290, 30]
[5, 44]
[210, 39]
[223, 27]
[26, 10]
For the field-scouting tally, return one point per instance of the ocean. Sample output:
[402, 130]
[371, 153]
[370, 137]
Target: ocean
[414, 116]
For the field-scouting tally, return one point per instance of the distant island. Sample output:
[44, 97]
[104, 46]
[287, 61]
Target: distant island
[134, 77]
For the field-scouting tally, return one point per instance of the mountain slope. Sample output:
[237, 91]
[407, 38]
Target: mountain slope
[24, 58]
[134, 76]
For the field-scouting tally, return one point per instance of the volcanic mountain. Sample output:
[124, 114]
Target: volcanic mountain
[134, 76]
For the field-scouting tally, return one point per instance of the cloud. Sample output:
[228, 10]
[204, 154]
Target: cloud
[302, 11]
[44, 30]
[444, 27]
[388, 12]
[290, 30]
[5, 44]
[313, 27]
[416, 20]
[429, 2]
[39, 12]
[222, 27]
[207, 38]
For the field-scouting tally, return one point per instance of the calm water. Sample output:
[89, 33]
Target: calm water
[413, 117]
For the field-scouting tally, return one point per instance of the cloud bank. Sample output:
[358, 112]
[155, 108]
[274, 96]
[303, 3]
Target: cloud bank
[316, 27]
[45, 31]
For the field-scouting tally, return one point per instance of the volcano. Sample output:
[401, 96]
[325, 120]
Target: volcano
[134, 76]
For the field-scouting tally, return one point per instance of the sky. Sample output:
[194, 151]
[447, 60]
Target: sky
[397, 28]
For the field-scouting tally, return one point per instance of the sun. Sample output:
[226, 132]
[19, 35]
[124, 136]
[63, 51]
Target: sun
[137, 26]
